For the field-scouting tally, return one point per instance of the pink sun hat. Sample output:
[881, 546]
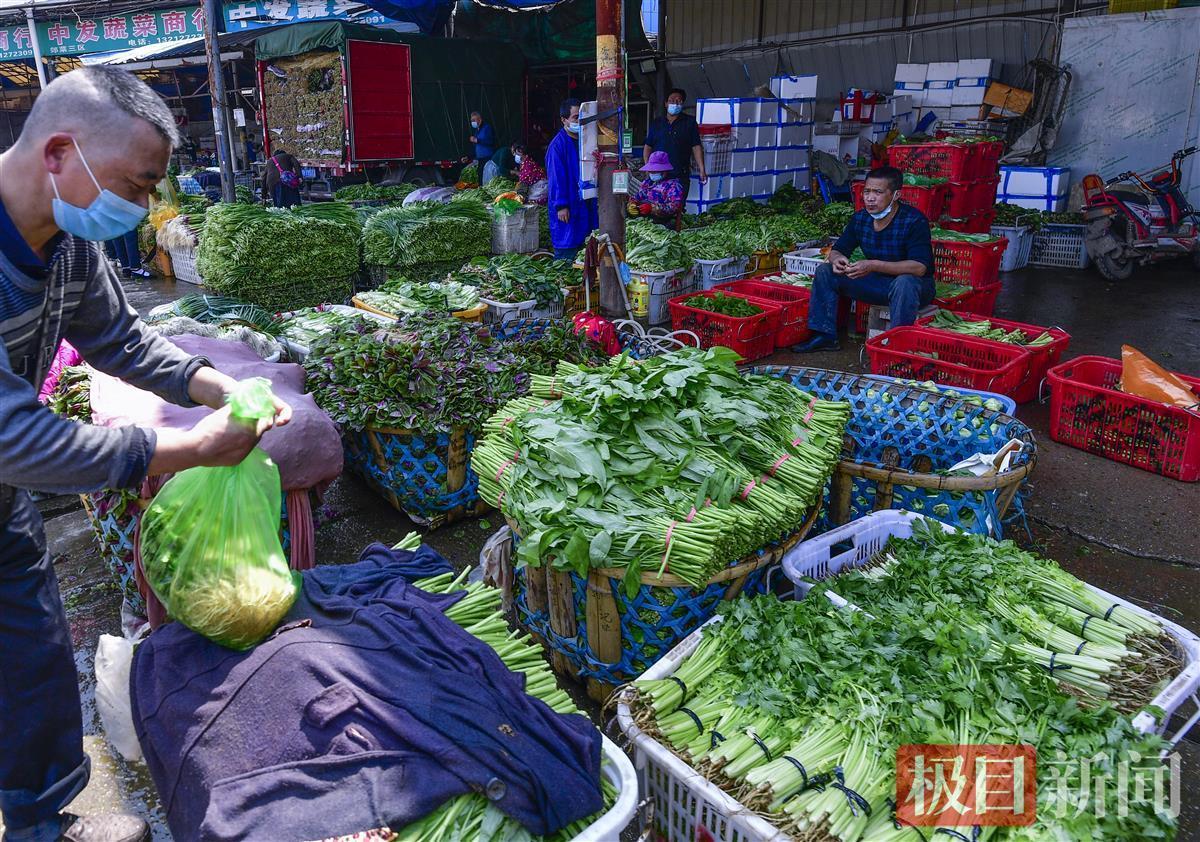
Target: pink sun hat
[658, 162]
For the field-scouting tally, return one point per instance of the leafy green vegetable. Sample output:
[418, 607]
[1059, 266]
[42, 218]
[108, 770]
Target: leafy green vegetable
[936, 233]
[426, 232]
[728, 305]
[499, 184]
[374, 192]
[509, 278]
[982, 328]
[470, 173]
[650, 247]
[411, 297]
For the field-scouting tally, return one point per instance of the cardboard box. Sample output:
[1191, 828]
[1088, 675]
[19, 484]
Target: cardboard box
[794, 87]
[1008, 99]
[974, 75]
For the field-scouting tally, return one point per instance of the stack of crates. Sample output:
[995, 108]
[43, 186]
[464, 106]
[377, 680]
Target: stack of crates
[972, 175]
[752, 146]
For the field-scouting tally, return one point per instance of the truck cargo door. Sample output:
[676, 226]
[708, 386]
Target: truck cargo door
[379, 93]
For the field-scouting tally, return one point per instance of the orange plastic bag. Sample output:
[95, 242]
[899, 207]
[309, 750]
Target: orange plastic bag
[1145, 378]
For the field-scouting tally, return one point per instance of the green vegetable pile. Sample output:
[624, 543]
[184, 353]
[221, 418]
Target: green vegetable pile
[727, 305]
[306, 325]
[975, 400]
[982, 328]
[791, 279]
[676, 464]
[499, 184]
[834, 217]
[715, 242]
[469, 174]
[944, 291]
[1013, 215]
[275, 258]
[797, 708]
[914, 180]
[72, 395]
[509, 278]
[244, 195]
[217, 309]
[654, 248]
[1061, 218]
[401, 296]
[430, 371]
[936, 233]
[339, 212]
[374, 192]
[427, 232]
[473, 816]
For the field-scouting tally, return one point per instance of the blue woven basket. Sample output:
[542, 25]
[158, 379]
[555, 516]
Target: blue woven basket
[556, 607]
[900, 441]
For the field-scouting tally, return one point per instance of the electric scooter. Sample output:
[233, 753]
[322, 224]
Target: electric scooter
[1152, 221]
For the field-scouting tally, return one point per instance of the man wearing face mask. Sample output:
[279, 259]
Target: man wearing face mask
[91, 152]
[572, 217]
[483, 137]
[897, 270]
[677, 135]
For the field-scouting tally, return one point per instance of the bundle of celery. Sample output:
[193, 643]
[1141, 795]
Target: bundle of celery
[676, 464]
[797, 709]
[472, 818]
[982, 328]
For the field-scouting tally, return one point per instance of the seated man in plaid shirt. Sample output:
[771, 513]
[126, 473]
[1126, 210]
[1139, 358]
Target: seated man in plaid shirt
[897, 270]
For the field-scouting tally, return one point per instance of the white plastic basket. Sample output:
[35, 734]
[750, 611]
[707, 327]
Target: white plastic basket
[713, 272]
[683, 800]
[620, 773]
[803, 261]
[1058, 245]
[183, 265]
[499, 312]
[663, 287]
[1020, 242]
[553, 310]
[818, 558]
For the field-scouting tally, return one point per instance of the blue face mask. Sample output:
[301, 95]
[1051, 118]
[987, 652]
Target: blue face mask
[882, 213]
[475, 124]
[573, 128]
[674, 108]
[656, 176]
[107, 217]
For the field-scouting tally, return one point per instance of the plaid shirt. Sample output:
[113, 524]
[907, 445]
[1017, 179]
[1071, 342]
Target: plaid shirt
[905, 238]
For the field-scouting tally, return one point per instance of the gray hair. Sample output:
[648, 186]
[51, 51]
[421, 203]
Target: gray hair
[98, 99]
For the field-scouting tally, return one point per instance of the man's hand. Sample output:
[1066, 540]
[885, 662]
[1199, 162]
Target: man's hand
[840, 264]
[564, 215]
[472, 139]
[860, 268]
[464, 159]
[703, 176]
[217, 440]
[211, 388]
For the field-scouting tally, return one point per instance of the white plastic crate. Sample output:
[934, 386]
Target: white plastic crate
[619, 772]
[499, 312]
[819, 558]
[803, 261]
[183, 265]
[713, 272]
[1060, 246]
[1020, 241]
[663, 287]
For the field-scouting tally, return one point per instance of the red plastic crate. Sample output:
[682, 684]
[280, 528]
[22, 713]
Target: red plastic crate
[1044, 357]
[977, 223]
[981, 300]
[961, 360]
[1088, 412]
[753, 337]
[792, 302]
[928, 200]
[966, 198]
[987, 158]
[969, 264]
[951, 161]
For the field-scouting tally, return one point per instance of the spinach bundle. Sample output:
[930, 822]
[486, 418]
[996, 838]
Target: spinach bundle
[716, 242]
[402, 296]
[430, 371]
[427, 232]
[726, 305]
[510, 278]
[275, 258]
[676, 464]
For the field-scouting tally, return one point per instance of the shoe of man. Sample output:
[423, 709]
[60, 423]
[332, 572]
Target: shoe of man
[140, 273]
[111, 828]
[818, 342]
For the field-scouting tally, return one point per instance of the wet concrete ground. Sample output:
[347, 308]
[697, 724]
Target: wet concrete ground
[1125, 530]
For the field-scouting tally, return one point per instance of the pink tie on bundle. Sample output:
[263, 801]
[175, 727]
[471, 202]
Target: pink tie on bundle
[600, 330]
[65, 357]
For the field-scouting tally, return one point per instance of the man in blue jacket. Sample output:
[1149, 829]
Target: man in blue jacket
[572, 217]
[92, 150]
[483, 136]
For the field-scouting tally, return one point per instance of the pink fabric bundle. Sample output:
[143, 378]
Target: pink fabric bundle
[66, 357]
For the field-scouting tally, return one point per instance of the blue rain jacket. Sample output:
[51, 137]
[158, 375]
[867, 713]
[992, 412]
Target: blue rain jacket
[562, 172]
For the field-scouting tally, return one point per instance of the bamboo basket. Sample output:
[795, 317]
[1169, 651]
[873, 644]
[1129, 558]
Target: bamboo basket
[596, 634]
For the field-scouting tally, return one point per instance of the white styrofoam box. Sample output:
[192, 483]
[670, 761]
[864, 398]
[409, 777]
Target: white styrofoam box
[765, 160]
[1037, 188]
[939, 98]
[764, 184]
[789, 111]
[916, 98]
[731, 111]
[940, 73]
[974, 74]
[588, 141]
[742, 160]
[906, 122]
[964, 112]
[911, 77]
[899, 104]
[790, 159]
[741, 185]
[793, 135]
[794, 87]
[717, 187]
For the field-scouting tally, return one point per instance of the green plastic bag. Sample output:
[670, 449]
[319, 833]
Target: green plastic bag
[210, 541]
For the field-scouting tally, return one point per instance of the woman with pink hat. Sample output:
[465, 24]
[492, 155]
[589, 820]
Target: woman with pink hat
[660, 195]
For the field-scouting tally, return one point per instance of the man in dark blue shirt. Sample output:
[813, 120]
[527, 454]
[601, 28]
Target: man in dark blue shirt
[678, 135]
[897, 271]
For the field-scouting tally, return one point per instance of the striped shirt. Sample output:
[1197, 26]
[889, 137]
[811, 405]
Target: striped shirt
[76, 296]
